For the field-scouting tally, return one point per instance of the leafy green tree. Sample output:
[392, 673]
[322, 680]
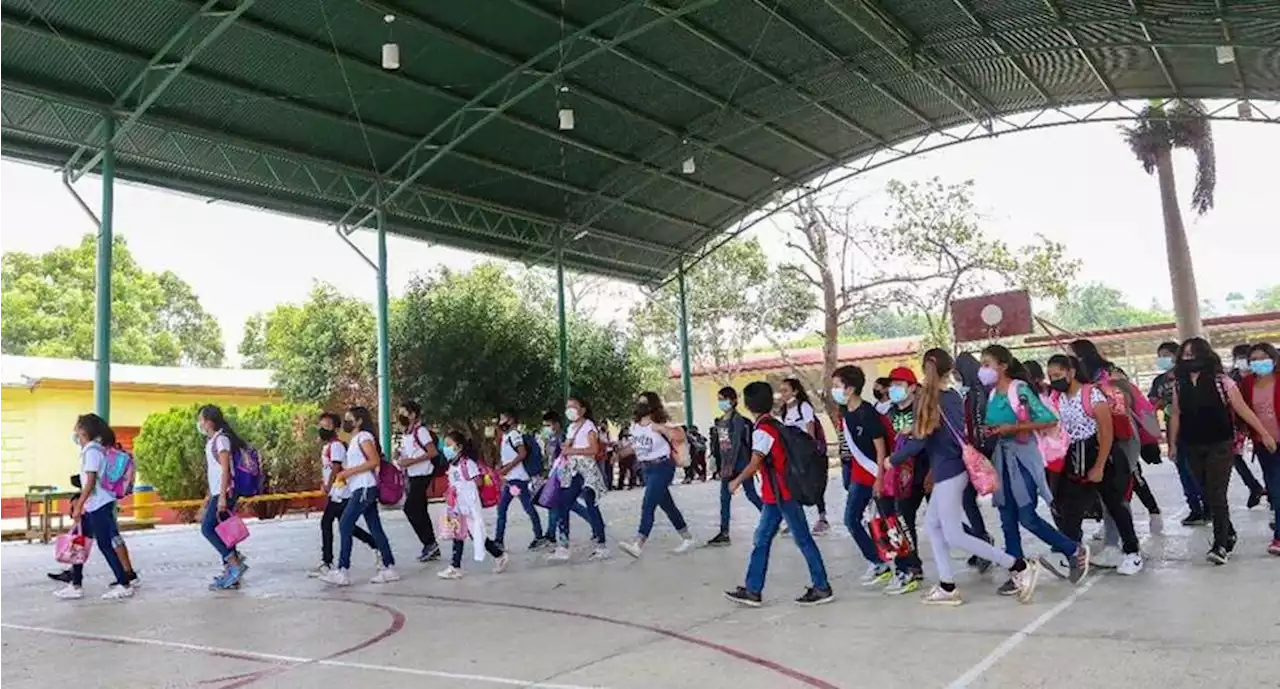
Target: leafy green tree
[1096, 306]
[1266, 299]
[734, 295]
[322, 351]
[156, 319]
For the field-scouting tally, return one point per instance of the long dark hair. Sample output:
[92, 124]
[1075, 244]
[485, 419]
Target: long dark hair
[1200, 350]
[1067, 362]
[97, 429]
[364, 422]
[586, 408]
[657, 410]
[1089, 359]
[798, 387]
[466, 448]
[1035, 374]
[1013, 368]
[213, 414]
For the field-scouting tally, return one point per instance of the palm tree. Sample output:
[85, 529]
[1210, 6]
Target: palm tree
[1152, 139]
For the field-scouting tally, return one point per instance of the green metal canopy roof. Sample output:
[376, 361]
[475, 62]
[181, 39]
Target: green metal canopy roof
[284, 104]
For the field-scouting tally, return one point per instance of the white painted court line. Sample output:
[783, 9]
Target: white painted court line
[1007, 646]
[292, 660]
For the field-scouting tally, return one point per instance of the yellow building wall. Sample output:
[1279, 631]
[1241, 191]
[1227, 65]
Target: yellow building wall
[36, 426]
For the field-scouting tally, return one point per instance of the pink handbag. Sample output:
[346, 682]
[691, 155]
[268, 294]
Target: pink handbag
[232, 530]
[981, 473]
[71, 548]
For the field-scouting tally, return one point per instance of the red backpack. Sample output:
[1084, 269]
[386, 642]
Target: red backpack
[1121, 423]
[488, 482]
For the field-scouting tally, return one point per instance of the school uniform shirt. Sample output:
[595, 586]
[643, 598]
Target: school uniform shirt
[333, 456]
[766, 442]
[212, 447]
[355, 457]
[859, 430]
[649, 444]
[412, 446]
[511, 444]
[93, 458]
[463, 475]
[799, 416]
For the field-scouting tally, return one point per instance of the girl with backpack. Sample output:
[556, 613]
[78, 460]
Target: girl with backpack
[579, 475]
[1013, 417]
[797, 411]
[94, 510]
[1261, 391]
[360, 475]
[653, 439]
[937, 432]
[222, 442]
[333, 454]
[1206, 404]
[417, 457]
[464, 515]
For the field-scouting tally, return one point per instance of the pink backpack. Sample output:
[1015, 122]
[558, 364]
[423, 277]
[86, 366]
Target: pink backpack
[117, 472]
[390, 483]
[1053, 442]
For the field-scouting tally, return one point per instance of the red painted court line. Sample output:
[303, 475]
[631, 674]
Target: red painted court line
[765, 663]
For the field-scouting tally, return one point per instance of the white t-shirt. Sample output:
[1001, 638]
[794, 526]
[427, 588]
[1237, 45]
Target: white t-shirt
[334, 456]
[413, 449]
[650, 446]
[92, 458]
[762, 443]
[511, 443]
[799, 417]
[355, 457]
[212, 447]
[580, 434]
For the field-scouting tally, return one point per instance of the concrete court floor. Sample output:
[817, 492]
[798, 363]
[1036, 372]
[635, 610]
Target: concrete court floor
[655, 623]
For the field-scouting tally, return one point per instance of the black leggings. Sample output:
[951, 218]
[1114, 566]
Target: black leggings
[332, 512]
[490, 545]
[415, 510]
[1076, 495]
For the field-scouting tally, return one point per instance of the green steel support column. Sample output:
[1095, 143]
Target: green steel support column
[384, 351]
[686, 368]
[564, 321]
[102, 292]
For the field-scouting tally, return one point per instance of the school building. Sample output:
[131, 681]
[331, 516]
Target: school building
[41, 398]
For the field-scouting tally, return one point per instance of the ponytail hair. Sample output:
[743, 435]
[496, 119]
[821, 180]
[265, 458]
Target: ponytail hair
[928, 405]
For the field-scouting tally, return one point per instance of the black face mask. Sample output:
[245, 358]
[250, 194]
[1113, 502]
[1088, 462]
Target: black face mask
[1195, 365]
[348, 426]
[326, 434]
[1060, 384]
[403, 421]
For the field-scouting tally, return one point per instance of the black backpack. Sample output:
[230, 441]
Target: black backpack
[806, 474]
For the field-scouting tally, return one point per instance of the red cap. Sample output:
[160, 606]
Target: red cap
[904, 374]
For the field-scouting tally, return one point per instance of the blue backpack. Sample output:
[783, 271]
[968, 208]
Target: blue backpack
[533, 460]
[246, 470]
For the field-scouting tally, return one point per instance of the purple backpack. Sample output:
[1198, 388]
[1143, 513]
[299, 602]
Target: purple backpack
[246, 470]
[390, 483]
[117, 472]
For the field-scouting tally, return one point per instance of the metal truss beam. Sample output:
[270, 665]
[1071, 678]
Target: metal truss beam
[1002, 48]
[1098, 74]
[256, 94]
[715, 42]
[173, 154]
[1136, 6]
[1106, 111]
[162, 62]
[1081, 46]
[1228, 39]
[457, 122]
[683, 84]
[576, 88]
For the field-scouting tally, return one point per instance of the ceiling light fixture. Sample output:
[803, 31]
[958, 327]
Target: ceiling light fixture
[390, 49]
[566, 119]
[1226, 54]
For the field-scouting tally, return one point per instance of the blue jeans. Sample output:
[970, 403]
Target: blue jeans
[587, 509]
[657, 493]
[1270, 462]
[1190, 489]
[771, 517]
[363, 503]
[100, 525]
[210, 522]
[526, 501]
[726, 498]
[854, 507]
[1012, 516]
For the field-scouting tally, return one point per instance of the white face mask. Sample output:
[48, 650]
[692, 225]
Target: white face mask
[571, 413]
[1242, 365]
[883, 407]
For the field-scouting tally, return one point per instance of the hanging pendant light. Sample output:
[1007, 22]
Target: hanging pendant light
[566, 119]
[1226, 54]
[1245, 110]
[390, 49]
[689, 166]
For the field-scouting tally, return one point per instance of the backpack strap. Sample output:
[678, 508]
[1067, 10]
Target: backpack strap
[1086, 400]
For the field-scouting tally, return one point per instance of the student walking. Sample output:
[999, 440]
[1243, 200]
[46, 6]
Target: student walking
[359, 474]
[730, 446]
[1261, 391]
[465, 512]
[863, 435]
[581, 483]
[333, 454]
[654, 440]
[797, 411]
[514, 457]
[417, 458]
[94, 510]
[768, 456]
[222, 443]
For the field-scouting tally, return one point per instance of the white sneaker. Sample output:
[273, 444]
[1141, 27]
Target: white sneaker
[319, 571]
[118, 592]
[560, 554]
[500, 564]
[1156, 524]
[1109, 558]
[630, 548]
[600, 553]
[1130, 565]
[337, 577]
[1026, 580]
[450, 572]
[69, 592]
[940, 596]
[878, 573]
[685, 546]
[386, 575]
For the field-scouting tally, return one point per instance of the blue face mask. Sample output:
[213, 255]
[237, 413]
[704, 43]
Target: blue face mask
[450, 452]
[1264, 367]
[840, 396]
[725, 405]
[1164, 363]
[898, 394]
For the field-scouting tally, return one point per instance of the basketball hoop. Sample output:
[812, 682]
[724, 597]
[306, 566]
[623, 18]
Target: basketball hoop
[991, 316]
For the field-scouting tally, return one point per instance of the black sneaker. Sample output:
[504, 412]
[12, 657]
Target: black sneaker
[1255, 498]
[1217, 555]
[430, 553]
[721, 539]
[815, 596]
[1079, 565]
[1008, 588]
[1195, 519]
[1057, 564]
[64, 576]
[742, 596]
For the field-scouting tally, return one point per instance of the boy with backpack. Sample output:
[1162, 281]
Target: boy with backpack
[521, 462]
[790, 467]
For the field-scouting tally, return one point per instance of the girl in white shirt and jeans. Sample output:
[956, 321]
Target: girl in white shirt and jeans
[221, 445]
[652, 439]
[360, 475]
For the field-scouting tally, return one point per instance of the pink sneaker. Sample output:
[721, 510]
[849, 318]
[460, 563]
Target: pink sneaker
[1274, 548]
